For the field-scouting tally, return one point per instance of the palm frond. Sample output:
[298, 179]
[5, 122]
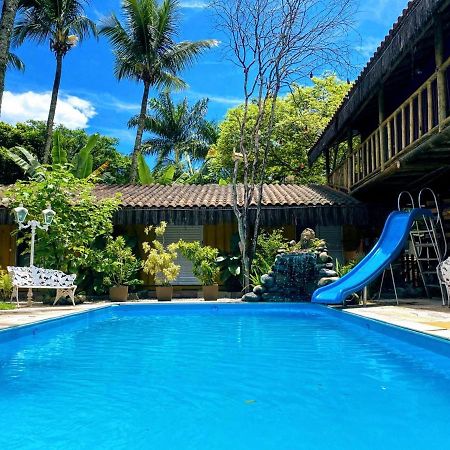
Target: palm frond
[14, 62]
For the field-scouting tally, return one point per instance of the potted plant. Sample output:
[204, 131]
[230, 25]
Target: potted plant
[120, 268]
[160, 262]
[205, 268]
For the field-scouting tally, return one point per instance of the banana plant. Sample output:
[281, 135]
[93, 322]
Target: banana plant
[82, 162]
[25, 160]
[147, 176]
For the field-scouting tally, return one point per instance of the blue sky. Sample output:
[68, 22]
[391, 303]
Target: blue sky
[91, 98]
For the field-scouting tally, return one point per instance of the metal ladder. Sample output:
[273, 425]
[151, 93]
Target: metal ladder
[428, 242]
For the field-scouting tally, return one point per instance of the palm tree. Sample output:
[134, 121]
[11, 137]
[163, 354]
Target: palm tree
[146, 51]
[9, 10]
[62, 23]
[181, 136]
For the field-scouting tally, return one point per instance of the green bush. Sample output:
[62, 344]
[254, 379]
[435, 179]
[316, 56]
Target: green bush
[6, 285]
[160, 261]
[204, 261]
[117, 263]
[268, 246]
[343, 269]
[81, 224]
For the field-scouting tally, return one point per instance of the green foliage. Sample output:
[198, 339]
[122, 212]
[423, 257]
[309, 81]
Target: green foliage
[144, 45]
[81, 220]
[31, 136]
[160, 261]
[24, 159]
[343, 269]
[148, 176]
[59, 154]
[6, 306]
[268, 246]
[83, 161]
[230, 270]
[6, 286]
[117, 263]
[14, 62]
[204, 260]
[144, 172]
[300, 118]
[180, 134]
[63, 23]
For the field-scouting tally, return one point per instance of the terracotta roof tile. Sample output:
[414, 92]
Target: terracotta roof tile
[216, 196]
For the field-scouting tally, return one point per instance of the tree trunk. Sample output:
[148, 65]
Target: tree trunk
[9, 10]
[52, 111]
[140, 132]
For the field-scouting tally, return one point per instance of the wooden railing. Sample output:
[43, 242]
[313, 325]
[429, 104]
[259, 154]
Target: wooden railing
[415, 119]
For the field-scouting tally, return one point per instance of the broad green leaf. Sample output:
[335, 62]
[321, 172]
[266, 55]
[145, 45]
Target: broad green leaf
[144, 172]
[167, 175]
[83, 161]
[59, 154]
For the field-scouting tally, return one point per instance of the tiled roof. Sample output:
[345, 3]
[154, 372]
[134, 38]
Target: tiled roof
[216, 196]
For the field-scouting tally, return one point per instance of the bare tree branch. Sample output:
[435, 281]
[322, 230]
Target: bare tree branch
[275, 43]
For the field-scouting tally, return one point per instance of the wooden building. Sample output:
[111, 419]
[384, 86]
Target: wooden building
[392, 131]
[205, 213]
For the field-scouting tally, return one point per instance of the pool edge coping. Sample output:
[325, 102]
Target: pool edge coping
[346, 312]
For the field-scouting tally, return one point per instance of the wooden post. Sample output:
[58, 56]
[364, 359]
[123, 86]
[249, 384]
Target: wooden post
[382, 130]
[327, 164]
[439, 59]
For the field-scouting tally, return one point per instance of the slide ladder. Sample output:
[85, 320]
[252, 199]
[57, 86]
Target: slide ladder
[428, 241]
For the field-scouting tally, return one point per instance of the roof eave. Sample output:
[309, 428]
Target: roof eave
[389, 53]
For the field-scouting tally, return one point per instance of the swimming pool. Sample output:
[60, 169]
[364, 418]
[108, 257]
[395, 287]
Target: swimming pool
[261, 376]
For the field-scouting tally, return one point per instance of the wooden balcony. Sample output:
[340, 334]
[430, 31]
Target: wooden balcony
[412, 142]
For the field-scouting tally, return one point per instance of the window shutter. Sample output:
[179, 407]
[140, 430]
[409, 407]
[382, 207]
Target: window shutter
[189, 234]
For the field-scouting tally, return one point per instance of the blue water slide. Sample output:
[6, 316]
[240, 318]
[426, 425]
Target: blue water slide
[386, 250]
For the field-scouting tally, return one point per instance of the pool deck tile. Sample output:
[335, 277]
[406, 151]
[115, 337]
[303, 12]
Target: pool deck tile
[425, 316]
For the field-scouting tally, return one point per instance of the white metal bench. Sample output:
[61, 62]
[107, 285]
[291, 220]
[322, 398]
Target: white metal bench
[37, 278]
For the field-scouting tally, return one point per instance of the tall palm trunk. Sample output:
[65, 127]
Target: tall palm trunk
[9, 10]
[140, 131]
[52, 110]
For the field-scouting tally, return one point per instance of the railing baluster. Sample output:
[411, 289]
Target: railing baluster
[372, 152]
[419, 114]
[395, 146]
[403, 144]
[389, 140]
[429, 106]
[411, 120]
[377, 149]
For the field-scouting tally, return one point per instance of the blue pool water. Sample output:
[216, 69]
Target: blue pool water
[222, 377]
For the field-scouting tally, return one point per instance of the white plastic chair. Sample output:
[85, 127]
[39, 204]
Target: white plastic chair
[443, 271]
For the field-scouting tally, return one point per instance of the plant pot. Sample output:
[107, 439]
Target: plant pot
[164, 293]
[211, 292]
[118, 293]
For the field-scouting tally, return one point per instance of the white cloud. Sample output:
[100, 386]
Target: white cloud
[71, 111]
[224, 100]
[193, 4]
